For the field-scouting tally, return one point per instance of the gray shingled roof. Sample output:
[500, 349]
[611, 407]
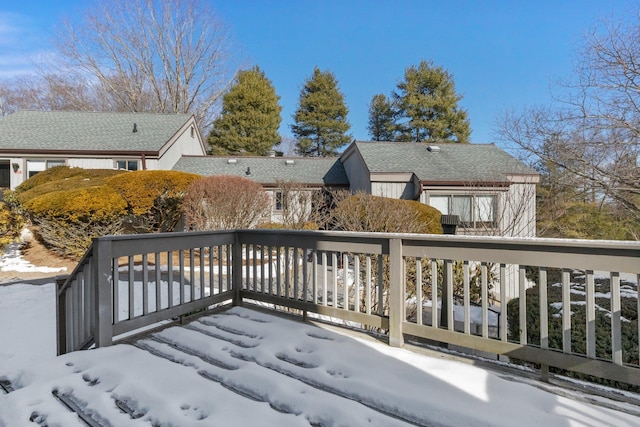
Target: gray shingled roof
[93, 131]
[269, 170]
[452, 163]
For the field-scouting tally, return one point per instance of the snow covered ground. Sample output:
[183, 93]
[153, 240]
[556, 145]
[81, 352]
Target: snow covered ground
[247, 368]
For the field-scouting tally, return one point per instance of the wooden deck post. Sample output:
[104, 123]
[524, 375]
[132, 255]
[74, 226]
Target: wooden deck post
[236, 272]
[61, 316]
[102, 277]
[396, 293]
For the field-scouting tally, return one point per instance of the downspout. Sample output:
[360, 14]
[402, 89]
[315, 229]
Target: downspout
[143, 158]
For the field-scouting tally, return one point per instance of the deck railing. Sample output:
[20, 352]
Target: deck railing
[434, 287]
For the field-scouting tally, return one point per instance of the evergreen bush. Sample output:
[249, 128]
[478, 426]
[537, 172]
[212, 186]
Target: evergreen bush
[61, 178]
[11, 222]
[68, 220]
[629, 314]
[154, 198]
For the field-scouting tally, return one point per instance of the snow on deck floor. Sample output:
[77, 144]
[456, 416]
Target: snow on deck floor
[243, 367]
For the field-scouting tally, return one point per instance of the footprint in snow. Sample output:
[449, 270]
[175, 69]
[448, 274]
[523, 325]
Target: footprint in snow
[319, 336]
[90, 381]
[195, 413]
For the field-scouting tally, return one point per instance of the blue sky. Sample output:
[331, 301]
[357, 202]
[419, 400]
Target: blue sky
[502, 54]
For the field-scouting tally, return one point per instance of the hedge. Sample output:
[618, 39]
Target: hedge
[154, 198]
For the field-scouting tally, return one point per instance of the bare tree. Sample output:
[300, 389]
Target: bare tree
[222, 202]
[592, 139]
[165, 56]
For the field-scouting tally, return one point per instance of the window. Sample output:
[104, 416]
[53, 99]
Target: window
[35, 166]
[475, 211]
[280, 201]
[129, 165]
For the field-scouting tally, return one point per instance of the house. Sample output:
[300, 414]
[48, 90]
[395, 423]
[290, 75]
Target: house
[32, 141]
[490, 191]
[290, 181]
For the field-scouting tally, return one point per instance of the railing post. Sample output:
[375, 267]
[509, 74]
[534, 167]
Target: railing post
[61, 316]
[102, 278]
[236, 271]
[396, 293]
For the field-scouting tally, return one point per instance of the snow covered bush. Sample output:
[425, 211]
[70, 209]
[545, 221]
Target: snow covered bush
[224, 203]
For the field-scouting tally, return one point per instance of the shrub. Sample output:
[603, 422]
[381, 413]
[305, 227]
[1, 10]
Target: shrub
[68, 220]
[61, 178]
[602, 323]
[280, 226]
[11, 223]
[154, 198]
[367, 213]
[225, 202]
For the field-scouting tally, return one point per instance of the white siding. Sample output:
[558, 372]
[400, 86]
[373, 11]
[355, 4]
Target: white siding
[93, 163]
[517, 210]
[185, 145]
[393, 190]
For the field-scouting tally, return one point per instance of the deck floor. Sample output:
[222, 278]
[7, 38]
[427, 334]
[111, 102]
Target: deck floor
[245, 367]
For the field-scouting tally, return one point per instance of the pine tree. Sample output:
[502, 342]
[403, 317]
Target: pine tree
[428, 106]
[382, 125]
[250, 117]
[321, 118]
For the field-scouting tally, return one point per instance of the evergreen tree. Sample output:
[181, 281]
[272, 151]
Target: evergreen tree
[428, 106]
[382, 115]
[321, 118]
[250, 117]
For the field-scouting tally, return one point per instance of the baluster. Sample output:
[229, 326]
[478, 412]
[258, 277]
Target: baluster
[591, 314]
[522, 306]
[334, 264]
[145, 284]
[158, 278]
[170, 301]
[356, 284]
[367, 302]
[434, 293]
[325, 283]
[504, 330]
[419, 291]
[466, 297]
[544, 305]
[566, 312]
[130, 278]
[485, 299]
[616, 319]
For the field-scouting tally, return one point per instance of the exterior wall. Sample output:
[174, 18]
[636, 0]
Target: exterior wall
[515, 215]
[16, 177]
[92, 163]
[519, 210]
[300, 204]
[393, 190]
[357, 172]
[184, 144]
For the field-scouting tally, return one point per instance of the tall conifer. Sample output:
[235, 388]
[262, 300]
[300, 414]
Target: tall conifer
[250, 117]
[321, 117]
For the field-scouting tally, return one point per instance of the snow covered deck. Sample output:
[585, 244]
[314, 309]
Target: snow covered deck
[244, 367]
